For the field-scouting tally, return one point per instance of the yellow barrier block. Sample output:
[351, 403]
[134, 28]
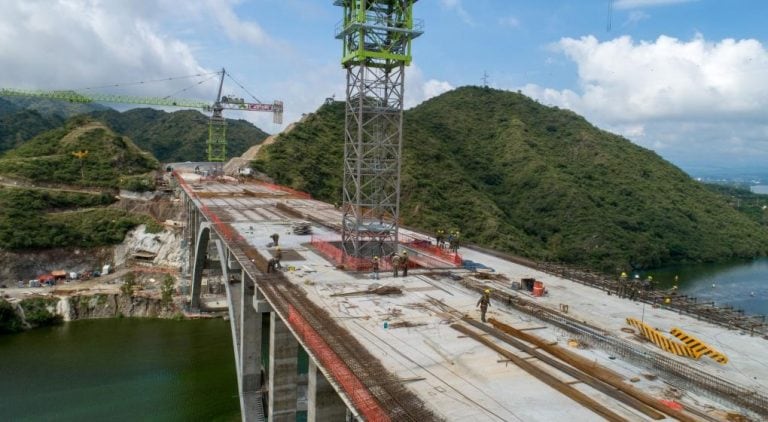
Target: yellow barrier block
[699, 347]
[658, 338]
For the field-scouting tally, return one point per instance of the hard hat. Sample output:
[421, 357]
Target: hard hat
[405, 252]
[623, 274]
[375, 257]
[488, 291]
[278, 248]
[637, 275]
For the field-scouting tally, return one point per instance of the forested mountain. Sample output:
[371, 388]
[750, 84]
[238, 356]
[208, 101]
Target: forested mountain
[83, 153]
[22, 125]
[50, 107]
[178, 136]
[536, 181]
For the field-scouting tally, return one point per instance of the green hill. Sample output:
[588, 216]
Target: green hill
[22, 125]
[178, 136]
[532, 180]
[112, 161]
[58, 215]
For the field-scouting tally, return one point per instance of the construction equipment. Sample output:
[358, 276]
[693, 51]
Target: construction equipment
[217, 143]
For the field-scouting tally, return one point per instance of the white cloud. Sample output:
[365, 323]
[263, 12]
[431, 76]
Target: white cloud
[684, 97]
[635, 17]
[457, 7]
[75, 44]
[509, 22]
[418, 90]
[633, 4]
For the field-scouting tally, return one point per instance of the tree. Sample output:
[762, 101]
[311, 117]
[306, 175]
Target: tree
[128, 282]
[167, 289]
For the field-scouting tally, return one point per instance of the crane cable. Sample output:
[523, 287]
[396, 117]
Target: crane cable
[149, 81]
[243, 88]
[192, 86]
[610, 15]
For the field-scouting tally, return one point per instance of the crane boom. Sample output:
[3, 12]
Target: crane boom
[217, 127]
[227, 103]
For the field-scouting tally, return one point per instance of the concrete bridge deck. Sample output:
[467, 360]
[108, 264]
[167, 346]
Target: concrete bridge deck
[397, 357]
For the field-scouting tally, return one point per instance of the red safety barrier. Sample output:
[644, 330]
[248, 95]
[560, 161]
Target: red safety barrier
[357, 392]
[424, 244]
[418, 258]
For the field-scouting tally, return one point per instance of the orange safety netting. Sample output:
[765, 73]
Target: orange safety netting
[358, 393]
[423, 254]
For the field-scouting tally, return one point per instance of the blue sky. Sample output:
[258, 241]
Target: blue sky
[684, 78]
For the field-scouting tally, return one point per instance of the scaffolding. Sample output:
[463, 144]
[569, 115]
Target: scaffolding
[376, 36]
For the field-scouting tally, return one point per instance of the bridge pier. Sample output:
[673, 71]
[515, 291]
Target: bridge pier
[323, 403]
[283, 368]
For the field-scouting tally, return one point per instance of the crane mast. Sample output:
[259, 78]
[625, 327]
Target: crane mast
[217, 141]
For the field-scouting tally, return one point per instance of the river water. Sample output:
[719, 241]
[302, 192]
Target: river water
[120, 369]
[743, 285]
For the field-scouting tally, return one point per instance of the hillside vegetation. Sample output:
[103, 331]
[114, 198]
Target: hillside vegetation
[532, 180]
[178, 136]
[112, 161]
[40, 219]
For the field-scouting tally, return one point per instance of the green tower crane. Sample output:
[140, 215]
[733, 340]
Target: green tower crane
[217, 126]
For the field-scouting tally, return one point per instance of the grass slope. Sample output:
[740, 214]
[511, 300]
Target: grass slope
[537, 181]
[113, 161]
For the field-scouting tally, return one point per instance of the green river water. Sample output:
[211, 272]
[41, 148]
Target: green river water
[120, 370]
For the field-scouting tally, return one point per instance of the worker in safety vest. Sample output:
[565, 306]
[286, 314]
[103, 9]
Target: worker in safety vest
[395, 260]
[484, 303]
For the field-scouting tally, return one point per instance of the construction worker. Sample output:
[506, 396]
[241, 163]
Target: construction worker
[395, 260]
[484, 303]
[440, 238]
[278, 257]
[404, 262]
[375, 267]
[622, 290]
[271, 265]
[275, 238]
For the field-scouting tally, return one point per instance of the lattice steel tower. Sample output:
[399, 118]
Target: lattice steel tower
[377, 37]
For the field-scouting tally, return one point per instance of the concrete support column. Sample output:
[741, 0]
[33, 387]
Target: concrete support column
[283, 368]
[323, 403]
[250, 350]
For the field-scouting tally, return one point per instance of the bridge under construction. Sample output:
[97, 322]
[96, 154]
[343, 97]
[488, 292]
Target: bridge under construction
[412, 348]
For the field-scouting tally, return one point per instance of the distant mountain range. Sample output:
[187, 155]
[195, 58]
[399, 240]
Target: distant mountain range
[536, 181]
[176, 136]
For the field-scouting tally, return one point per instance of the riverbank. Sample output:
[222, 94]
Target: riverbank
[42, 311]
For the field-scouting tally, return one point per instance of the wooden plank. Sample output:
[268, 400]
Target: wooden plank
[543, 376]
[593, 369]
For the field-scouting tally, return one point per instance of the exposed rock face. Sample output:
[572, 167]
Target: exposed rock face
[26, 265]
[166, 246]
[112, 306]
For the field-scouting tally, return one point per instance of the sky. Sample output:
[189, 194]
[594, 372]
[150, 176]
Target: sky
[685, 78]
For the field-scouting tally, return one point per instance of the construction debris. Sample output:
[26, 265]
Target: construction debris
[373, 290]
[301, 228]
